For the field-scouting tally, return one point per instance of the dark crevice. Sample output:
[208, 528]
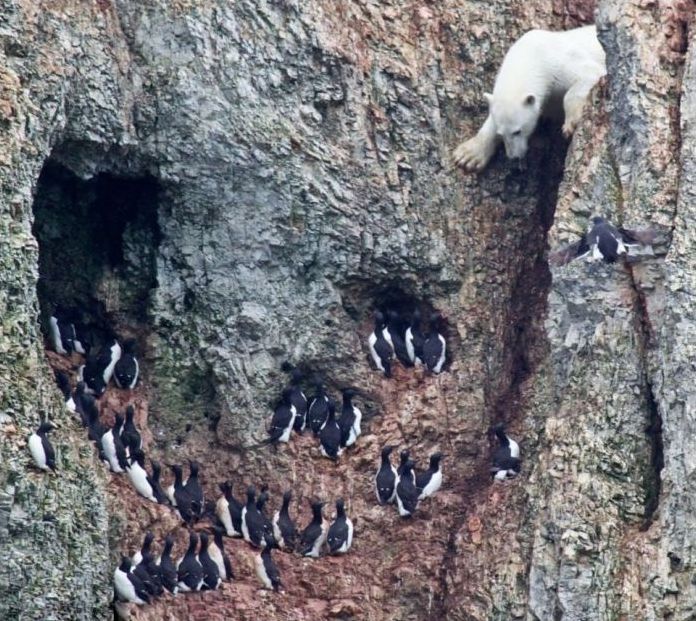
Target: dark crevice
[524, 344]
[653, 430]
[98, 240]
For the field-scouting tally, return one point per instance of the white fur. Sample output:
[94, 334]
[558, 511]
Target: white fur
[124, 587]
[540, 71]
[138, 476]
[37, 451]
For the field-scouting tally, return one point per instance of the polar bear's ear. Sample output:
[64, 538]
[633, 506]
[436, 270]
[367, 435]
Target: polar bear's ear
[489, 98]
[529, 100]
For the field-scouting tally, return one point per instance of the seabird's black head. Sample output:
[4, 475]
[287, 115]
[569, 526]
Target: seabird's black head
[287, 496]
[435, 460]
[225, 488]
[403, 456]
[204, 540]
[349, 393]
[193, 540]
[408, 466]
[178, 472]
[251, 493]
[45, 427]
[130, 413]
[296, 376]
[332, 410]
[379, 319]
[139, 456]
[129, 346]
[118, 421]
[598, 220]
[316, 508]
[125, 564]
[340, 506]
[193, 468]
[147, 541]
[156, 468]
[387, 451]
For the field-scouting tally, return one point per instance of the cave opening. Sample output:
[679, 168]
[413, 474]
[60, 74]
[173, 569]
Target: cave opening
[98, 240]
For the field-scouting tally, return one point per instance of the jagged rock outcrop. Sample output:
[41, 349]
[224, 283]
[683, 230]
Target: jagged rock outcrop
[288, 163]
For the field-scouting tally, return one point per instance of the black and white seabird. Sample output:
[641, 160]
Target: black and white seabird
[299, 400]
[385, 479]
[350, 419]
[113, 448]
[145, 548]
[194, 490]
[506, 457]
[189, 569]
[318, 409]
[185, 506]
[260, 507]
[284, 529]
[340, 535]
[63, 382]
[167, 567]
[394, 335]
[95, 428]
[178, 483]
[604, 241]
[380, 349]
[414, 339]
[41, 449]
[216, 549]
[139, 477]
[429, 481]
[81, 408]
[157, 490]
[130, 436]
[403, 458]
[283, 419]
[434, 345]
[128, 587]
[229, 511]
[406, 491]
[266, 569]
[62, 331]
[97, 371]
[211, 572]
[252, 521]
[149, 572]
[314, 535]
[126, 369]
[330, 435]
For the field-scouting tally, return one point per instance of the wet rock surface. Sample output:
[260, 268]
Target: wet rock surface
[299, 157]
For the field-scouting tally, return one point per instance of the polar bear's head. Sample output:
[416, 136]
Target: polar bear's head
[515, 120]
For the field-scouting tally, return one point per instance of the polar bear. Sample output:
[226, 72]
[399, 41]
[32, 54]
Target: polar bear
[541, 71]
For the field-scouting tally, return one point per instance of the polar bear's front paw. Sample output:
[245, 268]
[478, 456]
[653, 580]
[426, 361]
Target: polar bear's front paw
[569, 128]
[473, 155]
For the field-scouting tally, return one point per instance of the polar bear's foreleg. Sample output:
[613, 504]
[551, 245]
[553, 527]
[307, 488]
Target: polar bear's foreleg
[476, 152]
[573, 104]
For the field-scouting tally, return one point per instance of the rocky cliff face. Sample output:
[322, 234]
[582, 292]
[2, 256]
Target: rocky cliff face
[240, 184]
